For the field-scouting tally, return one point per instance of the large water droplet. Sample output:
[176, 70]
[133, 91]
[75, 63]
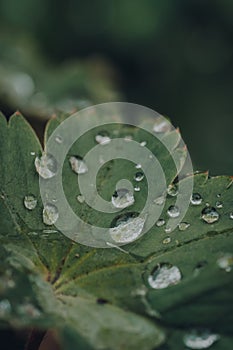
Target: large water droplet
[30, 202]
[164, 275]
[50, 214]
[5, 308]
[127, 228]
[226, 262]
[199, 339]
[183, 226]
[173, 211]
[122, 198]
[210, 215]
[46, 166]
[78, 165]
[102, 139]
[196, 199]
[139, 176]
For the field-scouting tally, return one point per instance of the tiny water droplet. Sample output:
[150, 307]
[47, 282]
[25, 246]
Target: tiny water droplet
[58, 139]
[200, 339]
[5, 308]
[143, 143]
[183, 226]
[167, 240]
[231, 215]
[161, 126]
[32, 153]
[127, 227]
[160, 200]
[172, 190]
[138, 166]
[78, 165]
[196, 199]
[225, 262]
[173, 211]
[50, 214]
[122, 198]
[137, 189]
[167, 229]
[102, 139]
[30, 202]
[164, 275]
[46, 166]
[80, 198]
[218, 195]
[139, 176]
[210, 215]
[219, 204]
[160, 222]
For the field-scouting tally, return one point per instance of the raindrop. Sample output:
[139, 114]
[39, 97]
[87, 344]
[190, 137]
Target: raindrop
[58, 139]
[30, 202]
[167, 240]
[80, 198]
[78, 165]
[143, 143]
[46, 166]
[122, 198]
[50, 214]
[5, 307]
[164, 275]
[173, 211]
[137, 188]
[225, 262]
[138, 166]
[127, 228]
[196, 199]
[210, 215]
[160, 222]
[219, 204]
[167, 229]
[139, 176]
[102, 139]
[200, 339]
[32, 153]
[183, 226]
[172, 190]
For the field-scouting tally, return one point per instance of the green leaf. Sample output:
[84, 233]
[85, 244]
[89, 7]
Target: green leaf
[101, 298]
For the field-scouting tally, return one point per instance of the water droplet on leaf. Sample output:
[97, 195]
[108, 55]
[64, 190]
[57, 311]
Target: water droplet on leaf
[210, 215]
[200, 339]
[226, 262]
[139, 176]
[46, 166]
[81, 198]
[127, 228]
[164, 275]
[196, 199]
[160, 222]
[78, 165]
[50, 214]
[219, 205]
[30, 202]
[172, 190]
[122, 198]
[183, 226]
[102, 139]
[173, 211]
[167, 240]
[58, 139]
[137, 189]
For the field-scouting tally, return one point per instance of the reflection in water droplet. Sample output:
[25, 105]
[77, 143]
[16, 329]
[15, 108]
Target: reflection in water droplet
[30, 202]
[210, 215]
[164, 275]
[102, 139]
[219, 204]
[127, 228]
[160, 222]
[50, 214]
[196, 199]
[46, 166]
[139, 176]
[172, 190]
[80, 198]
[183, 226]
[78, 165]
[200, 339]
[122, 198]
[167, 240]
[173, 211]
[5, 308]
[226, 262]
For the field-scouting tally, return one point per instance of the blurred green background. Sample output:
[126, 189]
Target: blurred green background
[175, 56]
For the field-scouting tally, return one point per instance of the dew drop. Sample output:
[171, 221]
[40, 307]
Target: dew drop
[78, 165]
[172, 190]
[102, 139]
[5, 308]
[80, 198]
[58, 139]
[32, 153]
[164, 275]
[160, 222]
[139, 176]
[210, 215]
[196, 199]
[46, 166]
[225, 262]
[143, 143]
[167, 240]
[30, 202]
[183, 226]
[173, 211]
[127, 228]
[137, 189]
[138, 166]
[50, 214]
[200, 339]
[219, 204]
[122, 198]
